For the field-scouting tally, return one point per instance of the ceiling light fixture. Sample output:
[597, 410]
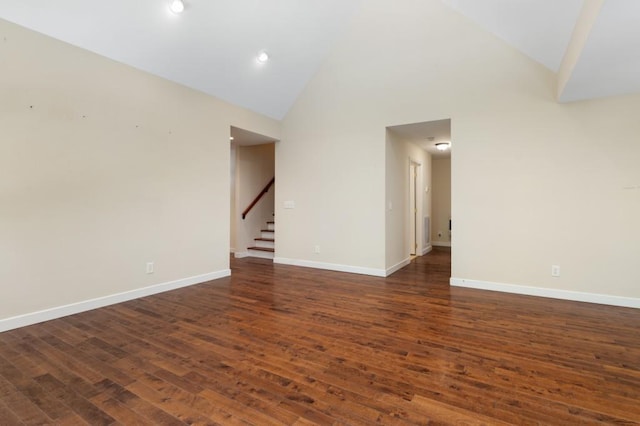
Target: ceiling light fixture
[176, 6]
[262, 57]
[231, 138]
[443, 146]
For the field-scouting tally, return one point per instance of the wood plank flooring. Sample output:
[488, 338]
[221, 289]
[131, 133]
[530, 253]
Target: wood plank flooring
[276, 344]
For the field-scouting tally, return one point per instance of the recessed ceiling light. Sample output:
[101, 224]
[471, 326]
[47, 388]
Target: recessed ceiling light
[230, 138]
[262, 57]
[443, 146]
[176, 6]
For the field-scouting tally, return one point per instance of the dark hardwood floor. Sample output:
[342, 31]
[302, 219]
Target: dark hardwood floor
[287, 345]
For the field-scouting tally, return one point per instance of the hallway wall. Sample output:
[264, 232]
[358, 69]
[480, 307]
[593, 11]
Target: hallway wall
[441, 185]
[398, 155]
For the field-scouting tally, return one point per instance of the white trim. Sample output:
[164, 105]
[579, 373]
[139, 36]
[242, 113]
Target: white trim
[241, 254]
[99, 302]
[441, 243]
[331, 266]
[578, 296]
[260, 254]
[398, 266]
[427, 249]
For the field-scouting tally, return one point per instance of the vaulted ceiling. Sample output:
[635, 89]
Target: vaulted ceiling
[593, 45]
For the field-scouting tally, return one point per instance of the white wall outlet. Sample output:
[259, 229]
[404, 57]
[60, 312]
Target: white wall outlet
[316, 249]
[289, 204]
[555, 270]
[149, 267]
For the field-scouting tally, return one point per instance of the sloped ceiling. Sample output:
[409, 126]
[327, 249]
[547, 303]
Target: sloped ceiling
[212, 46]
[609, 63]
[541, 29]
[595, 43]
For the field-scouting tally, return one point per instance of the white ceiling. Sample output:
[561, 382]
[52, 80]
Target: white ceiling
[212, 46]
[426, 135]
[243, 137]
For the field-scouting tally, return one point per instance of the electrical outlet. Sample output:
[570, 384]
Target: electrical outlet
[555, 270]
[149, 267]
[316, 249]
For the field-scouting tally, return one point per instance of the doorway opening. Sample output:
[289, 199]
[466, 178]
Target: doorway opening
[424, 196]
[252, 224]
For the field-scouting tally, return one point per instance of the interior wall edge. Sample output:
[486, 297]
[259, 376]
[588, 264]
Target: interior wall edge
[441, 244]
[331, 266]
[397, 266]
[552, 293]
[24, 320]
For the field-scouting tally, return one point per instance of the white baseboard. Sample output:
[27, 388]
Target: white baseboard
[427, 249]
[397, 266]
[331, 266]
[241, 254]
[87, 305]
[260, 254]
[441, 243]
[603, 299]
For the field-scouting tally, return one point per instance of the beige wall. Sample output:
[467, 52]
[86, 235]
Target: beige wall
[255, 166]
[399, 154]
[441, 201]
[534, 182]
[333, 169]
[104, 168]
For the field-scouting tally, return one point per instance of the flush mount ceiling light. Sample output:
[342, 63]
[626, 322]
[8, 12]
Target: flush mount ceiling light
[443, 146]
[176, 6]
[262, 57]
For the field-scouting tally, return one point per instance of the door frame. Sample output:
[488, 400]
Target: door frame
[414, 208]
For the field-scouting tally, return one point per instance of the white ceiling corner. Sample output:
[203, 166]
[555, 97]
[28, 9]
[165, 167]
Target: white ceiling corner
[541, 29]
[609, 62]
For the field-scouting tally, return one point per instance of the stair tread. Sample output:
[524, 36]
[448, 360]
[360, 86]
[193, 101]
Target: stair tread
[267, 230]
[265, 239]
[269, 249]
[271, 222]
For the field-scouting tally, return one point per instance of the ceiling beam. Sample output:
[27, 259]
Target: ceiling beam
[584, 25]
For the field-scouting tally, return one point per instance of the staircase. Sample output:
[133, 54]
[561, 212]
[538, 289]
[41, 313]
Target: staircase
[265, 245]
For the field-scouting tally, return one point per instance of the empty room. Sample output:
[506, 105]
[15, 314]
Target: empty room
[319, 212]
